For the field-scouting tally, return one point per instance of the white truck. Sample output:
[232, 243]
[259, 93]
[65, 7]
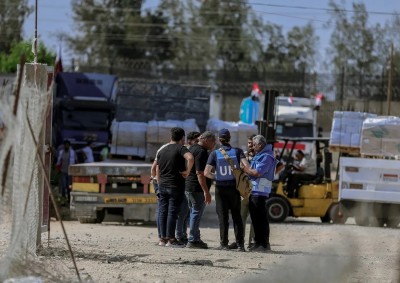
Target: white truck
[369, 190]
[296, 118]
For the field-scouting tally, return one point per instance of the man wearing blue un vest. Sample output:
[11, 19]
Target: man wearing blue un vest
[261, 173]
[227, 197]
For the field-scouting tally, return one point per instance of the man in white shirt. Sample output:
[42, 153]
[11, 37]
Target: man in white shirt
[88, 152]
[304, 170]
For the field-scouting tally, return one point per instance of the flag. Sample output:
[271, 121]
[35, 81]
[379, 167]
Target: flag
[318, 100]
[256, 90]
[290, 99]
[58, 68]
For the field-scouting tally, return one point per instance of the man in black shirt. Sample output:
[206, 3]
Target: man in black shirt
[198, 188]
[174, 163]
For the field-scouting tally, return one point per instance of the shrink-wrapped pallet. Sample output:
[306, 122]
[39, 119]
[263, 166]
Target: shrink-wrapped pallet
[381, 136]
[346, 128]
[159, 133]
[239, 131]
[128, 138]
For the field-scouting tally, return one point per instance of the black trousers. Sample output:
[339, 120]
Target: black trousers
[294, 183]
[258, 214]
[228, 198]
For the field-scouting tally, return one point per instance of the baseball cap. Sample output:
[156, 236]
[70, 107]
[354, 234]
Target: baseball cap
[224, 133]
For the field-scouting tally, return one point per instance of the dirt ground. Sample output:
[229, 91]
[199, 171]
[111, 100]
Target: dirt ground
[303, 250]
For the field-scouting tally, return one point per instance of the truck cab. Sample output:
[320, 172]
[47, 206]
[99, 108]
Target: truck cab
[295, 118]
[84, 106]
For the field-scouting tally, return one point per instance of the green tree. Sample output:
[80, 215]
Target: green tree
[111, 32]
[301, 47]
[12, 17]
[352, 44]
[9, 60]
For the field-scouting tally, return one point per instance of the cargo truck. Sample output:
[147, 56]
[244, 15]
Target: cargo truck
[121, 186]
[369, 191]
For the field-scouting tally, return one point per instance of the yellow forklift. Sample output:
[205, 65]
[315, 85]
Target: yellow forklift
[315, 198]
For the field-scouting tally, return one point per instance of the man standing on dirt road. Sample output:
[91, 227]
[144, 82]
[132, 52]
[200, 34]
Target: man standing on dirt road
[183, 214]
[171, 173]
[227, 197]
[198, 188]
[261, 172]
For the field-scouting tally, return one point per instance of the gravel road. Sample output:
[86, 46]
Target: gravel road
[303, 250]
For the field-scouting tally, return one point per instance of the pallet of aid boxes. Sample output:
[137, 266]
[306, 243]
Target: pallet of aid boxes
[381, 137]
[159, 133]
[346, 131]
[239, 131]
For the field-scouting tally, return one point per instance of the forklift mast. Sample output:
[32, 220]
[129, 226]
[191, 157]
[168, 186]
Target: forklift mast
[266, 127]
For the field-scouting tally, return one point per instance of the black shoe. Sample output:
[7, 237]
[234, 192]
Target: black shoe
[197, 245]
[261, 249]
[250, 246]
[253, 247]
[184, 240]
[241, 248]
[173, 243]
[223, 247]
[233, 246]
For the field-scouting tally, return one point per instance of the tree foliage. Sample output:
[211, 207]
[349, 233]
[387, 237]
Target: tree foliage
[9, 60]
[12, 17]
[205, 35]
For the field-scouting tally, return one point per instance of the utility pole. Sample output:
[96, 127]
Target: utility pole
[390, 79]
[35, 52]
[341, 88]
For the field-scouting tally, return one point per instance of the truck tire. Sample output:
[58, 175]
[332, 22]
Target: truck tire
[337, 214]
[393, 219]
[377, 221]
[277, 209]
[100, 214]
[361, 220]
[393, 222]
[87, 220]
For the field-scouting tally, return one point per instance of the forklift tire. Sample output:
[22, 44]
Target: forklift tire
[325, 218]
[277, 209]
[337, 216]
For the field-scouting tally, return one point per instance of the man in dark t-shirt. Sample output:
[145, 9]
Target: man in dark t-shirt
[197, 188]
[171, 173]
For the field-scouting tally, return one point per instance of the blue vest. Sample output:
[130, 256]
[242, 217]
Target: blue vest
[223, 169]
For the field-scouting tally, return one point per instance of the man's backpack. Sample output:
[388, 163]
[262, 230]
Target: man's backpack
[243, 184]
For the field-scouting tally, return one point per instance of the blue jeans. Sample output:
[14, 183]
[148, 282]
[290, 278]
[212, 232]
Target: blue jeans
[155, 185]
[182, 221]
[168, 207]
[196, 205]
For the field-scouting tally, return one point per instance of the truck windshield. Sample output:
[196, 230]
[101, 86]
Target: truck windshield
[85, 119]
[294, 130]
